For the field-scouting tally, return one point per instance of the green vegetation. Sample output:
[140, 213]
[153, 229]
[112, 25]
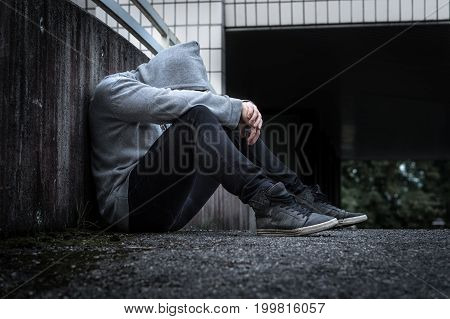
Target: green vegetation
[397, 194]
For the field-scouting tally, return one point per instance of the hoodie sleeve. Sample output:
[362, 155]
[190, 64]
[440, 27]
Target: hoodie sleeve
[134, 101]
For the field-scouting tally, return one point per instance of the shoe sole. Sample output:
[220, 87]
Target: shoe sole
[351, 221]
[299, 231]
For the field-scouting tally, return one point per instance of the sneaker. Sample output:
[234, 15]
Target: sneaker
[278, 214]
[312, 198]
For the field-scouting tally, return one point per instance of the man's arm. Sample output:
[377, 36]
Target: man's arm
[134, 101]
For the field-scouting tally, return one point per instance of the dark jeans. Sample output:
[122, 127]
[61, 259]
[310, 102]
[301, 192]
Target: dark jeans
[184, 167]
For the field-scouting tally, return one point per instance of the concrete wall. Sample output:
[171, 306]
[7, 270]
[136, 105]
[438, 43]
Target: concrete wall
[52, 54]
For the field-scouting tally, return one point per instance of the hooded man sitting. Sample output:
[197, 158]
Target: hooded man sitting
[162, 142]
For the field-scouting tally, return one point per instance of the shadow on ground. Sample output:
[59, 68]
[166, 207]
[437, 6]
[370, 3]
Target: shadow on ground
[333, 264]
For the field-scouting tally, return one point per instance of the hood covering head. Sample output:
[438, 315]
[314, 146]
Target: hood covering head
[177, 67]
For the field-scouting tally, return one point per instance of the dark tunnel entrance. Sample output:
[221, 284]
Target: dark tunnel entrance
[391, 100]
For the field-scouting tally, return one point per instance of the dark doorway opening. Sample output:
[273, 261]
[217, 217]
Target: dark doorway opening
[392, 104]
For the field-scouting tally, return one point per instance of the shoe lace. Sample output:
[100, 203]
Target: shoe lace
[292, 206]
[322, 198]
[318, 195]
[288, 205]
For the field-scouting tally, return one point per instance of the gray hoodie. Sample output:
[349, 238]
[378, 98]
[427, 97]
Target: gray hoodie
[127, 112]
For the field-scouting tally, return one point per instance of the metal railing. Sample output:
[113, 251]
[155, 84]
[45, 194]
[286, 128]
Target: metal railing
[114, 9]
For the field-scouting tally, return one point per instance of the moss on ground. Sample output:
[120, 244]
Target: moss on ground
[59, 256]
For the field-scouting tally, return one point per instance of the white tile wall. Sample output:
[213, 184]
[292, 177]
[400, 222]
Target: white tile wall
[246, 13]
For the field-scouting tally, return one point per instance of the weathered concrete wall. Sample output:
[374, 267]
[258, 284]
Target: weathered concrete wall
[52, 54]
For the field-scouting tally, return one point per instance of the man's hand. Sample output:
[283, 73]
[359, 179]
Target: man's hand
[251, 117]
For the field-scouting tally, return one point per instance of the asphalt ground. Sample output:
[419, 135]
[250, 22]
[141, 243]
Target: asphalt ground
[197, 264]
